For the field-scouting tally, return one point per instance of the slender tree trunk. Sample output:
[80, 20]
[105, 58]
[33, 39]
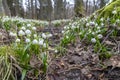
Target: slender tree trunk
[6, 8]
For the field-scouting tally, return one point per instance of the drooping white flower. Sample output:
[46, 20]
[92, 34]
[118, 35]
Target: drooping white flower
[44, 35]
[34, 28]
[28, 25]
[23, 28]
[63, 31]
[92, 23]
[118, 20]
[41, 41]
[87, 24]
[102, 19]
[28, 32]
[35, 41]
[44, 45]
[93, 33]
[56, 51]
[93, 40]
[21, 33]
[12, 34]
[100, 36]
[35, 35]
[17, 40]
[49, 35]
[27, 40]
[114, 12]
[67, 37]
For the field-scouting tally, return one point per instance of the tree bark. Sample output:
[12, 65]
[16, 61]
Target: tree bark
[6, 8]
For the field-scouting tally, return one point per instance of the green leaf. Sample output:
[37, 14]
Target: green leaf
[23, 74]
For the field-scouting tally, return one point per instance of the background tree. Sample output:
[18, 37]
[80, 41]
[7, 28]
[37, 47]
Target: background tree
[79, 8]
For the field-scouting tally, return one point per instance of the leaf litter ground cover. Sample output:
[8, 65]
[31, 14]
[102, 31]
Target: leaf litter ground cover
[72, 55]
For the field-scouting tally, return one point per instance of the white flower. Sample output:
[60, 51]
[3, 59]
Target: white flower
[44, 45]
[21, 33]
[23, 28]
[87, 24]
[92, 23]
[100, 36]
[63, 31]
[102, 19]
[102, 24]
[35, 41]
[98, 27]
[12, 34]
[17, 40]
[35, 35]
[93, 33]
[49, 35]
[67, 37]
[117, 20]
[44, 35]
[34, 28]
[93, 40]
[28, 25]
[27, 40]
[41, 41]
[56, 51]
[28, 32]
[114, 12]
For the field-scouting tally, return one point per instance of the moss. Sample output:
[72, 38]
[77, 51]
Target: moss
[106, 11]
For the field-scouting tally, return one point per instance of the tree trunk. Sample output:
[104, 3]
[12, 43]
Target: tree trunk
[6, 8]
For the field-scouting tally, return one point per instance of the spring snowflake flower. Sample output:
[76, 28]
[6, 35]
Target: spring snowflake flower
[49, 35]
[93, 33]
[114, 12]
[44, 35]
[34, 28]
[27, 40]
[41, 41]
[28, 25]
[93, 40]
[28, 32]
[17, 40]
[100, 36]
[63, 31]
[12, 34]
[44, 45]
[35, 35]
[102, 19]
[21, 33]
[87, 24]
[23, 28]
[92, 23]
[35, 41]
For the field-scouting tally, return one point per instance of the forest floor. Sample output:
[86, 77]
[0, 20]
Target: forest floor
[79, 62]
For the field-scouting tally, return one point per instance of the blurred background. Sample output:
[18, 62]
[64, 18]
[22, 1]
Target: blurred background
[50, 9]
